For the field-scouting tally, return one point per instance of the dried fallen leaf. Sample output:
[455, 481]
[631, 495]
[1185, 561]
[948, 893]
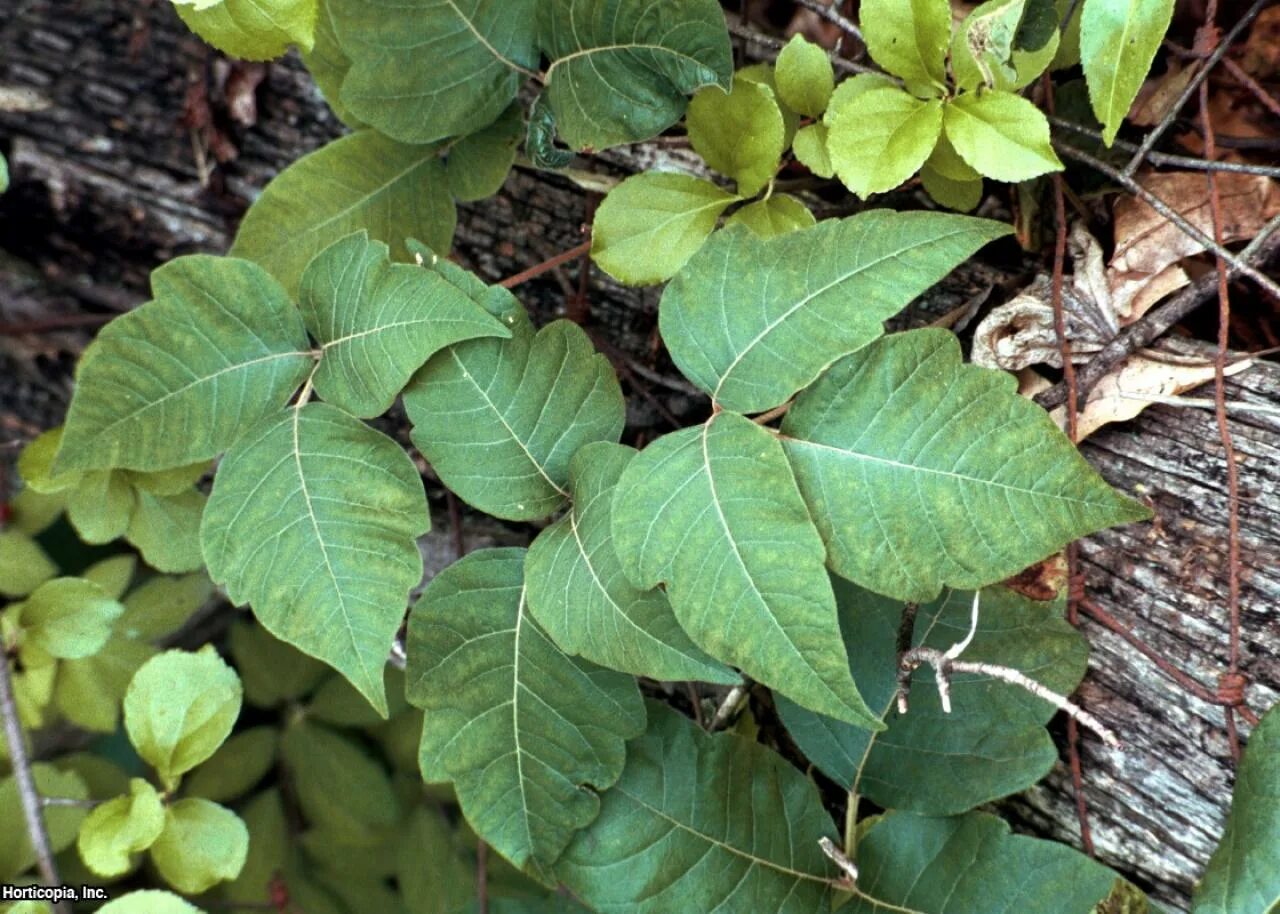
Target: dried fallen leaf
[1159, 93]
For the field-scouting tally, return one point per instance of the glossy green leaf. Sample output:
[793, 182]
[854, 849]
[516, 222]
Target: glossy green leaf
[740, 134]
[24, 566]
[620, 71]
[972, 864]
[253, 29]
[89, 692]
[425, 70]
[991, 745]
[202, 844]
[805, 77]
[480, 162]
[63, 822]
[378, 322]
[522, 730]
[702, 822]
[161, 605]
[239, 764]
[881, 138]
[810, 148]
[181, 378]
[499, 419]
[328, 65]
[179, 709]
[340, 787]
[121, 828]
[1118, 41]
[579, 595]
[922, 471]
[149, 901]
[1001, 135]
[361, 181]
[273, 671]
[752, 338]
[166, 530]
[909, 39]
[68, 617]
[313, 521]
[652, 223]
[1243, 876]
[773, 216]
[713, 512]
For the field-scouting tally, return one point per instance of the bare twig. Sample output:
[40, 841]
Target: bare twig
[1174, 161]
[538, 269]
[829, 12]
[775, 45]
[842, 862]
[729, 707]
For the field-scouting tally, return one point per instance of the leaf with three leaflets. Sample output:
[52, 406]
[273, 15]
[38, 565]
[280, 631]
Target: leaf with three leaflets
[752, 338]
[921, 471]
[648, 226]
[361, 181]
[713, 512]
[773, 216]
[805, 78]
[121, 828]
[179, 379]
[1118, 42]
[521, 729]
[620, 72]
[378, 322]
[702, 822]
[909, 39]
[991, 745]
[68, 618]
[252, 29]
[881, 138]
[202, 844]
[313, 521]
[580, 596]
[1001, 135]
[740, 134]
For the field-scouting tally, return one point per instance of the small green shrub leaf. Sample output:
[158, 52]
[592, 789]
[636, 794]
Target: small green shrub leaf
[982, 47]
[776, 215]
[666, 841]
[312, 521]
[273, 671]
[63, 822]
[362, 181]
[378, 322]
[239, 764]
[962, 196]
[620, 73]
[881, 138]
[35, 465]
[1001, 135]
[113, 574]
[652, 223]
[202, 844]
[340, 787]
[179, 709]
[752, 338]
[121, 828]
[68, 618]
[1243, 876]
[713, 512]
[922, 471]
[429, 69]
[101, 506]
[1118, 42]
[810, 148]
[89, 691]
[499, 419]
[909, 39]
[992, 744]
[149, 901]
[580, 596]
[804, 77]
[521, 729]
[162, 604]
[166, 530]
[740, 134]
[24, 565]
[252, 29]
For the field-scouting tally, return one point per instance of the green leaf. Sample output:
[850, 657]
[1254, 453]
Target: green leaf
[62, 822]
[702, 822]
[179, 709]
[620, 71]
[922, 471]
[161, 605]
[202, 844]
[447, 882]
[361, 181]
[4, 175]
[1001, 135]
[740, 134]
[773, 216]
[113, 574]
[962, 196]
[522, 730]
[378, 322]
[176, 481]
[88, 692]
[991, 745]
[753, 337]
[881, 138]
[239, 764]
[68, 618]
[340, 787]
[149, 901]
[765, 74]
[424, 70]
[313, 521]
[810, 148]
[24, 566]
[263, 815]
[499, 419]
[180, 379]
[909, 40]
[1243, 876]
[121, 828]
[982, 47]
[1118, 41]
[580, 596]
[32, 512]
[805, 77]
[328, 65]
[166, 530]
[35, 465]
[101, 505]
[273, 671]
[337, 702]
[652, 223]
[480, 162]
[713, 512]
[253, 29]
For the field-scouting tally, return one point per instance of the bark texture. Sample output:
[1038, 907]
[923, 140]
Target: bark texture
[107, 185]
